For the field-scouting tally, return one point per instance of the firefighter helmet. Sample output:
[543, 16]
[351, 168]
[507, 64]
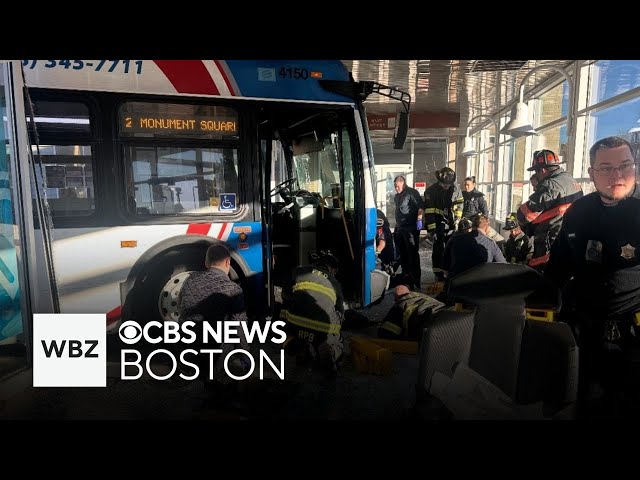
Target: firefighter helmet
[511, 222]
[325, 257]
[464, 224]
[446, 175]
[543, 158]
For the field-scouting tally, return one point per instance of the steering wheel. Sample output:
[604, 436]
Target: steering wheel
[277, 188]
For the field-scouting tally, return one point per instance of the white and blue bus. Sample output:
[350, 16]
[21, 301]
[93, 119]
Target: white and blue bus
[147, 163]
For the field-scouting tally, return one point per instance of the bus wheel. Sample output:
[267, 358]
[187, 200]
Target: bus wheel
[155, 295]
[168, 301]
[157, 290]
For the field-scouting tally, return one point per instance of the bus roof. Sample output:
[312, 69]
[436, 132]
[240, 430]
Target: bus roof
[271, 79]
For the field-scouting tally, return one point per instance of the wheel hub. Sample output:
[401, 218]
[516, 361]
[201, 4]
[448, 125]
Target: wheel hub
[168, 300]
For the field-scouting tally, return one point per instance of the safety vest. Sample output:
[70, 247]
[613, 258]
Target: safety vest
[313, 301]
[404, 319]
[442, 208]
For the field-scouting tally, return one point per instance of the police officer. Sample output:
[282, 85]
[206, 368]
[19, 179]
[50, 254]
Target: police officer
[519, 247]
[474, 201]
[443, 204]
[407, 231]
[541, 216]
[314, 311]
[599, 246]
[407, 316]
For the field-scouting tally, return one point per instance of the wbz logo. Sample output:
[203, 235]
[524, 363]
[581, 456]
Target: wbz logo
[69, 350]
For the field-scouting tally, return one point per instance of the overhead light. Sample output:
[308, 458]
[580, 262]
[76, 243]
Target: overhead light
[519, 125]
[468, 149]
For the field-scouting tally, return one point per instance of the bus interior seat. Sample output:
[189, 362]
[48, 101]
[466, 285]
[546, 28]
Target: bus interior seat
[528, 361]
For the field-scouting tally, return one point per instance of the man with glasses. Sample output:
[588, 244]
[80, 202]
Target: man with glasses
[599, 247]
[541, 216]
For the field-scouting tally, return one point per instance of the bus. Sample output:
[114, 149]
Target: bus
[146, 163]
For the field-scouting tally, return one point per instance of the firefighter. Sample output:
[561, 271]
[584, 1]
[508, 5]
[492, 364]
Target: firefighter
[519, 247]
[314, 311]
[598, 247]
[408, 315]
[541, 216]
[443, 209]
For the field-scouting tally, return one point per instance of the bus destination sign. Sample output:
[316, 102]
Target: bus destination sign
[196, 125]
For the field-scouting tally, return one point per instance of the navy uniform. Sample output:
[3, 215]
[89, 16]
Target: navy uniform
[474, 203]
[408, 202]
[314, 310]
[518, 248]
[599, 246]
[541, 216]
[443, 204]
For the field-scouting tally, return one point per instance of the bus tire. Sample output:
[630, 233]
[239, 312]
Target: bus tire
[152, 283]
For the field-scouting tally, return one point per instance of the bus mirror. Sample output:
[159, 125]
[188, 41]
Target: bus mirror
[307, 144]
[400, 133]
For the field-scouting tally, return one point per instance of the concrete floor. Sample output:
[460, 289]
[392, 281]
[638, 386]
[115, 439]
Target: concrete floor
[304, 395]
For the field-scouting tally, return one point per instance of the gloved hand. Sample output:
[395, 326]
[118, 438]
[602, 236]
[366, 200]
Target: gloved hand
[419, 224]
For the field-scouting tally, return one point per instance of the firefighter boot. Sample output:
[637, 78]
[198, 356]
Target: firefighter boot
[327, 358]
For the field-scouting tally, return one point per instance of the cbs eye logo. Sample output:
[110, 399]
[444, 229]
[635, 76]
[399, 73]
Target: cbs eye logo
[130, 332]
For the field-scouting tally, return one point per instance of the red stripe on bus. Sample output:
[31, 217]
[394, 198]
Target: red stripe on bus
[188, 76]
[114, 315]
[198, 229]
[221, 234]
[224, 76]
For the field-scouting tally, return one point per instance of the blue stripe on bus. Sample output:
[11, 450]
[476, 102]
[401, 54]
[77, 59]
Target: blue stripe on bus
[369, 251]
[250, 249]
[287, 79]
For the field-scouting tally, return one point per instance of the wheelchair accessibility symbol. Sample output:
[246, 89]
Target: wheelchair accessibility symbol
[227, 201]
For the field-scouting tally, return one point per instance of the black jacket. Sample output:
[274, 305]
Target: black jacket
[599, 246]
[474, 203]
[541, 216]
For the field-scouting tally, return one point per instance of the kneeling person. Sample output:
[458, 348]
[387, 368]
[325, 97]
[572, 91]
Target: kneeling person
[314, 310]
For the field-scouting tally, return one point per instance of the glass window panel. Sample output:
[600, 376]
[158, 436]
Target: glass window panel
[349, 182]
[613, 77]
[487, 189]
[68, 179]
[486, 166]
[519, 160]
[554, 139]
[318, 172]
[517, 196]
[552, 105]
[622, 120]
[179, 180]
[503, 197]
